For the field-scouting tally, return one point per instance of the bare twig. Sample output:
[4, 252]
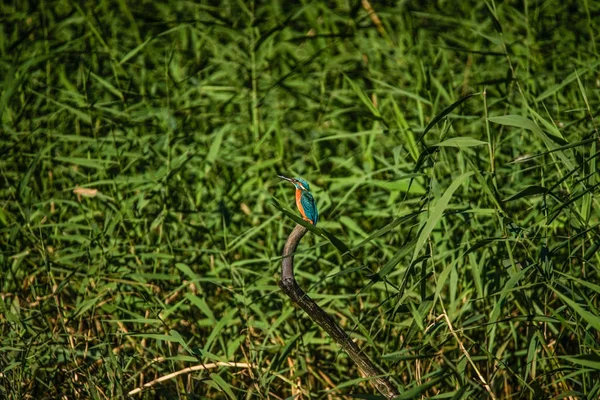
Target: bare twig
[195, 368]
[468, 357]
[317, 314]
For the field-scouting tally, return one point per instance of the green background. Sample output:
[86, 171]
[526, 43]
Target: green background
[451, 147]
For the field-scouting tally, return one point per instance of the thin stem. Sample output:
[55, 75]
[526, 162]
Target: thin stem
[317, 314]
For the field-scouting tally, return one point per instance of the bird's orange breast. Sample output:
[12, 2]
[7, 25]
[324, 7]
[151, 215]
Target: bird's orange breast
[299, 203]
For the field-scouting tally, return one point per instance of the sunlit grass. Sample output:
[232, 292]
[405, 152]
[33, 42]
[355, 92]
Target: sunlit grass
[451, 148]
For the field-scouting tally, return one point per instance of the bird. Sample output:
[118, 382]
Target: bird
[308, 208]
[304, 200]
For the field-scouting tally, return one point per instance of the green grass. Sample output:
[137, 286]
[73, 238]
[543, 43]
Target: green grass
[139, 231]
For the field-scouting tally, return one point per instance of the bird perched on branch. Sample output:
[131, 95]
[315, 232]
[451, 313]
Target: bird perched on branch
[304, 200]
[308, 208]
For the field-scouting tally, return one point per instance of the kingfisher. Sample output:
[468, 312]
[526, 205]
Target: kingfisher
[304, 200]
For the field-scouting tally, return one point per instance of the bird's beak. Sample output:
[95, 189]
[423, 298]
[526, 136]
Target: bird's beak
[286, 178]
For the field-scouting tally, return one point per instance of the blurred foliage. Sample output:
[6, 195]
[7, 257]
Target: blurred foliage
[450, 145]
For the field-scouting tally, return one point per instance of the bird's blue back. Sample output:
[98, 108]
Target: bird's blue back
[310, 206]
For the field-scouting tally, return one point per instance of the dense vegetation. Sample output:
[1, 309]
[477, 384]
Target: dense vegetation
[452, 147]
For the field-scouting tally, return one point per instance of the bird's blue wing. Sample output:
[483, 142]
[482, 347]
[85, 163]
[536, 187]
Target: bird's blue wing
[310, 207]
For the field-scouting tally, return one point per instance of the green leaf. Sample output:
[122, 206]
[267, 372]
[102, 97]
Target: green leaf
[460, 142]
[86, 162]
[134, 51]
[392, 225]
[111, 88]
[86, 305]
[32, 165]
[180, 340]
[81, 115]
[492, 15]
[528, 191]
[341, 246]
[403, 184]
[220, 325]
[560, 148]
[444, 112]
[352, 225]
[441, 279]
[157, 336]
[223, 385]
[392, 262]
[527, 124]
[583, 282]
[437, 213]
[363, 98]
[416, 391]
[590, 318]
[215, 146]
[587, 360]
[202, 306]
[187, 271]
[559, 86]
[405, 130]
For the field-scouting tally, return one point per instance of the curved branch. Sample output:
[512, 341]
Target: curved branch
[317, 314]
